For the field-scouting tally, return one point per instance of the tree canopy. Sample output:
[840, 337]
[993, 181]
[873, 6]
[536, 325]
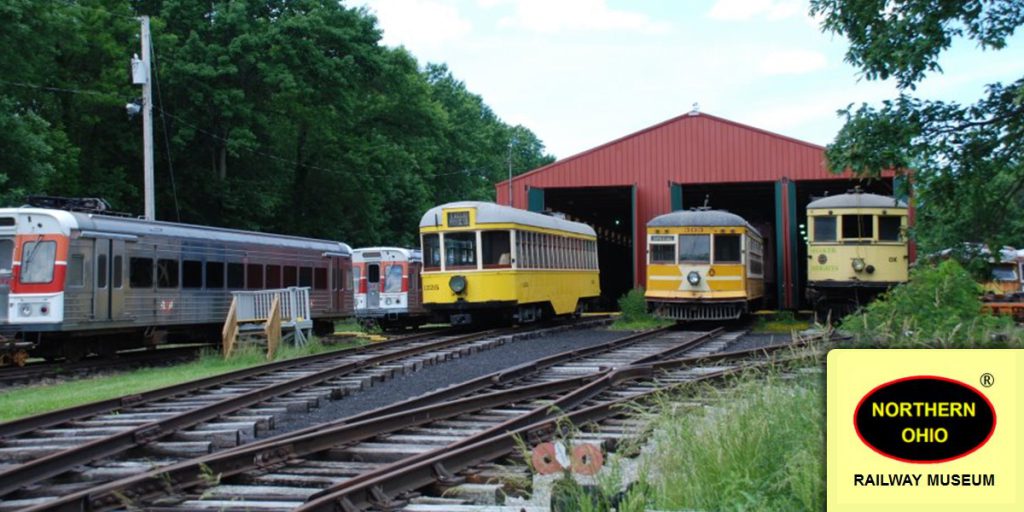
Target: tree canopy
[966, 160]
[282, 116]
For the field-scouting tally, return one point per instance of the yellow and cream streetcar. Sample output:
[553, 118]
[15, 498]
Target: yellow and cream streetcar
[486, 261]
[857, 248]
[703, 265]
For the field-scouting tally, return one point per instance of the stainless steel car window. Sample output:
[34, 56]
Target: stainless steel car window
[76, 270]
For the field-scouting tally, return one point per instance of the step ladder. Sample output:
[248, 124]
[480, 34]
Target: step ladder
[267, 316]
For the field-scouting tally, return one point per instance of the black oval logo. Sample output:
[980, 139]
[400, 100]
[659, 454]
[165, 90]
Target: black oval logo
[924, 419]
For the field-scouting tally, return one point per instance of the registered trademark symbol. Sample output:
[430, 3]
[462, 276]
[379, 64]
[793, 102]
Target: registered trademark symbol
[987, 380]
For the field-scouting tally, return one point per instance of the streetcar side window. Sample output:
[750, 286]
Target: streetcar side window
[140, 272]
[727, 249]
[236, 276]
[273, 277]
[6, 255]
[432, 252]
[254, 277]
[356, 271]
[191, 274]
[214, 275]
[166, 273]
[291, 276]
[320, 278]
[825, 229]
[306, 276]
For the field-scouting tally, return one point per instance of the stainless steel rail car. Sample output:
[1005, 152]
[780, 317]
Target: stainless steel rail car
[387, 285]
[72, 283]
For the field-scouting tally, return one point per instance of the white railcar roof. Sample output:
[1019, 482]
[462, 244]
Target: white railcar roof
[139, 227]
[358, 255]
[491, 213]
[705, 218]
[857, 200]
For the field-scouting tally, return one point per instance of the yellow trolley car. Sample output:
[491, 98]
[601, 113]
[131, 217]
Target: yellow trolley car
[857, 249]
[486, 261]
[703, 265]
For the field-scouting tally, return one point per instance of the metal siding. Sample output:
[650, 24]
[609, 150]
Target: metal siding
[689, 149]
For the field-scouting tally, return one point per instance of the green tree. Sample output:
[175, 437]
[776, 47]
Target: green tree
[966, 159]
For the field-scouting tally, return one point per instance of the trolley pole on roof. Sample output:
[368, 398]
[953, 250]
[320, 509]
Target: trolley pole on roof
[141, 76]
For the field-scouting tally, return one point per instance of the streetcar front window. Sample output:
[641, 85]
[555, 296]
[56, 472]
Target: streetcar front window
[663, 253]
[460, 250]
[497, 246]
[727, 249]
[432, 252]
[825, 229]
[889, 228]
[858, 226]
[37, 260]
[695, 248]
[393, 279]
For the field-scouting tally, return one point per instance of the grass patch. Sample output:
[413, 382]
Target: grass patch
[781, 322]
[32, 400]
[634, 315]
[761, 448]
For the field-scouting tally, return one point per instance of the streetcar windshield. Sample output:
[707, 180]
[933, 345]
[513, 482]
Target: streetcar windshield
[460, 250]
[37, 259]
[695, 248]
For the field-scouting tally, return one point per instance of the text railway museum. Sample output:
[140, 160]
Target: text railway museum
[683, 162]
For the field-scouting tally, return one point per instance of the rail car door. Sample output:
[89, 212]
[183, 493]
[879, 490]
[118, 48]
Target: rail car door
[108, 279]
[101, 280]
[372, 285]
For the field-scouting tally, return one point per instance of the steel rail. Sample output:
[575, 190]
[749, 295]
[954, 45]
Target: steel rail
[377, 488]
[20, 475]
[430, 407]
[50, 419]
[12, 375]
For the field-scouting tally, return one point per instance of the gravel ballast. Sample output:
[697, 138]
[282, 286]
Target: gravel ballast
[438, 376]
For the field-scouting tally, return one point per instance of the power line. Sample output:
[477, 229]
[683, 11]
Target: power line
[49, 88]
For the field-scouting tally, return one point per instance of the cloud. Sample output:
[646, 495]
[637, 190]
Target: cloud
[742, 10]
[574, 15]
[418, 23]
[792, 62]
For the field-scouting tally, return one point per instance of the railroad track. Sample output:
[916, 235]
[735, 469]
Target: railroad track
[36, 372]
[210, 414]
[283, 472]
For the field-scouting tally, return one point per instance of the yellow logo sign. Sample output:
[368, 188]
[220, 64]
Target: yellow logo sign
[916, 430]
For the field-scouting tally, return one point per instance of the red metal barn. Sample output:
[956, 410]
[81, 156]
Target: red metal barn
[684, 162]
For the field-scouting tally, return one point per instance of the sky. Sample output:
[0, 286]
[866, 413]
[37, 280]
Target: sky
[580, 73]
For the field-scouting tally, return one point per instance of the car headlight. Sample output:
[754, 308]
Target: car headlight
[26, 310]
[693, 278]
[457, 284]
[858, 264]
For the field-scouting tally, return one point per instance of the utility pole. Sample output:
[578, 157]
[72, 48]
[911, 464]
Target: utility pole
[510, 144]
[141, 76]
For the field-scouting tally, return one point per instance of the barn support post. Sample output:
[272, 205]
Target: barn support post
[780, 286]
[794, 270]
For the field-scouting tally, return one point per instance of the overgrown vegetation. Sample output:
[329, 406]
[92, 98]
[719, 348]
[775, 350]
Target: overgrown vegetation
[939, 307]
[634, 315]
[761, 447]
[27, 401]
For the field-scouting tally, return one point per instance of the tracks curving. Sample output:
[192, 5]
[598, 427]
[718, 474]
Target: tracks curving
[286, 471]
